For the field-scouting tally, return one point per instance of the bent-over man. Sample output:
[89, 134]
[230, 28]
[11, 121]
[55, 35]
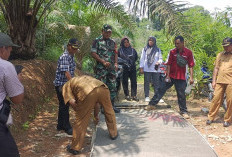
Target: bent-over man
[83, 94]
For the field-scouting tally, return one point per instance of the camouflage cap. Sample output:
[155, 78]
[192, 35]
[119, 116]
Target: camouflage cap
[227, 41]
[107, 28]
[5, 40]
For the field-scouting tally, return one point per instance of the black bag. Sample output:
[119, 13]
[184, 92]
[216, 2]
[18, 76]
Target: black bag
[5, 111]
[181, 61]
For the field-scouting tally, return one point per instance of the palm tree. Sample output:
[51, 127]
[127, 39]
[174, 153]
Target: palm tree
[23, 16]
[168, 12]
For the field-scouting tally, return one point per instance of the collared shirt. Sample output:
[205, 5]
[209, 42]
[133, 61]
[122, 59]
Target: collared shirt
[105, 49]
[143, 61]
[79, 87]
[224, 63]
[9, 82]
[177, 72]
[65, 63]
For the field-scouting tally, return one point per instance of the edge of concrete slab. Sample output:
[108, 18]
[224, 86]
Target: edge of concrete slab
[190, 124]
[202, 137]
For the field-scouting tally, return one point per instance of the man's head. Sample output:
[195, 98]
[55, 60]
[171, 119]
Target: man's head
[179, 42]
[106, 31]
[227, 44]
[6, 46]
[72, 46]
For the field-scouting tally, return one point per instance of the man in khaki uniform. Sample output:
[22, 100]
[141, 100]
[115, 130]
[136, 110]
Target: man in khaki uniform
[222, 83]
[84, 93]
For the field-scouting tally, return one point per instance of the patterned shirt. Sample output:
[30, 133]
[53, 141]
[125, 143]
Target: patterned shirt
[105, 49]
[65, 63]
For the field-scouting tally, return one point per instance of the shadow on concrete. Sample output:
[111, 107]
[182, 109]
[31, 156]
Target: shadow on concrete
[131, 130]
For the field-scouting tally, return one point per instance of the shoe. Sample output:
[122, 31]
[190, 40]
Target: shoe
[128, 98]
[74, 152]
[135, 98]
[226, 124]
[58, 128]
[116, 110]
[161, 101]
[115, 137]
[208, 122]
[147, 99]
[69, 131]
[185, 115]
[150, 107]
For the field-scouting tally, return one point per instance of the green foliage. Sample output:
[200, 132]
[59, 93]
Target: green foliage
[52, 53]
[26, 125]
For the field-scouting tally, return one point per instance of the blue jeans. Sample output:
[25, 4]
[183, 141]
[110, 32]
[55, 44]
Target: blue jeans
[180, 86]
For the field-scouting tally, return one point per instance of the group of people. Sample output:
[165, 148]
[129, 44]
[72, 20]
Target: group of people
[85, 94]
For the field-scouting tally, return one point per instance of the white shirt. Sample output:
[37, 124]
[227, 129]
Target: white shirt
[9, 82]
[143, 61]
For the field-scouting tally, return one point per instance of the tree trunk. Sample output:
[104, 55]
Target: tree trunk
[27, 42]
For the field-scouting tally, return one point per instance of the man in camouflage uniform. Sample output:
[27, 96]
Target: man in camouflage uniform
[104, 52]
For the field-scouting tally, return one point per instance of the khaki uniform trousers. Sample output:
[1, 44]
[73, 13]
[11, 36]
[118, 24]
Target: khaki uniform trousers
[83, 113]
[219, 91]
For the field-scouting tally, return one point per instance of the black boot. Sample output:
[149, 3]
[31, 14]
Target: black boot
[116, 110]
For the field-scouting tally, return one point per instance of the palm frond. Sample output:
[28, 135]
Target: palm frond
[114, 10]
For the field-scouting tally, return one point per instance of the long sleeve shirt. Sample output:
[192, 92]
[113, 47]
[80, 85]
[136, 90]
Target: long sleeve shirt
[143, 61]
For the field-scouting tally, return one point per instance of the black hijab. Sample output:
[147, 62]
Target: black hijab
[151, 55]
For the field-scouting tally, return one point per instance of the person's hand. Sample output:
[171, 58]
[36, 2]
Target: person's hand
[191, 81]
[141, 71]
[167, 79]
[20, 77]
[106, 64]
[96, 119]
[213, 84]
[73, 103]
[116, 66]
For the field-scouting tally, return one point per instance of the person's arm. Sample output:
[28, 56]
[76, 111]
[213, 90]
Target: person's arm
[168, 72]
[141, 64]
[191, 64]
[68, 75]
[116, 61]
[169, 62]
[215, 73]
[136, 55]
[98, 59]
[160, 57]
[13, 87]
[17, 99]
[191, 81]
[68, 94]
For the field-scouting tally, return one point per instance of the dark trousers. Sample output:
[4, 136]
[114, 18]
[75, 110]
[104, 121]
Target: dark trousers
[180, 86]
[132, 75]
[63, 113]
[151, 77]
[8, 147]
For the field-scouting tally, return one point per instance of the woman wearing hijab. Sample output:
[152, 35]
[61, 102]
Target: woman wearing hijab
[129, 54]
[150, 60]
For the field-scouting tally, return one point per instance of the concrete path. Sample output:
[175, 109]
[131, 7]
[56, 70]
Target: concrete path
[159, 133]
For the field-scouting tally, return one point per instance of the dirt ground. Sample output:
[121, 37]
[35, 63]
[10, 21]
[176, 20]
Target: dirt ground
[34, 126]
